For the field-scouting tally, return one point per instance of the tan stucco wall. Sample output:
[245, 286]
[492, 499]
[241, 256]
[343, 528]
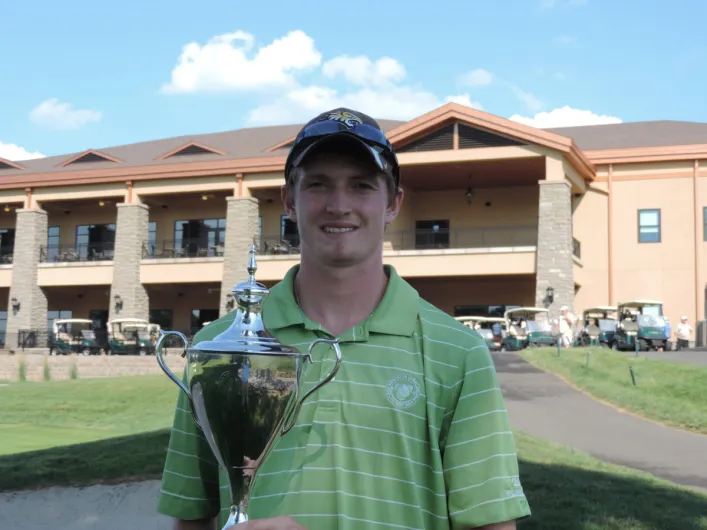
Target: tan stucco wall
[590, 227]
[662, 271]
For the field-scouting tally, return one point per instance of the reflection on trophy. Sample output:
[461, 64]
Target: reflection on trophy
[244, 388]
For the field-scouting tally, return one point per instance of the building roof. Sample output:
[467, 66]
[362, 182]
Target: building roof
[241, 143]
[635, 134]
[257, 142]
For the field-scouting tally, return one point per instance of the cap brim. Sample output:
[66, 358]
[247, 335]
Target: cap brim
[331, 139]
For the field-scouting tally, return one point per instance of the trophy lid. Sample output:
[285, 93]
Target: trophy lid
[247, 334]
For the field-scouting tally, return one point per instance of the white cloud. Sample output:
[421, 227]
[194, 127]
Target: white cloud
[531, 102]
[364, 72]
[464, 99]
[478, 77]
[227, 63]
[62, 116]
[565, 117]
[15, 153]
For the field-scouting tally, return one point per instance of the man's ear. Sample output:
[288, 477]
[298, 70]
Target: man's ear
[288, 201]
[394, 208]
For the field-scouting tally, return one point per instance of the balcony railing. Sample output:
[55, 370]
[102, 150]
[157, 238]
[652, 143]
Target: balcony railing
[99, 251]
[6, 257]
[182, 248]
[455, 238]
[576, 248]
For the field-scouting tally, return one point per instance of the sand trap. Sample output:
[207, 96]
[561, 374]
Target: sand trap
[108, 507]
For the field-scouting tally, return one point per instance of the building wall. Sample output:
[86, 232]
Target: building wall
[663, 271]
[195, 209]
[89, 213]
[591, 228]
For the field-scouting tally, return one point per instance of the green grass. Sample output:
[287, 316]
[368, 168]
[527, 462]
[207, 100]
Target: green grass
[566, 489]
[37, 416]
[669, 392]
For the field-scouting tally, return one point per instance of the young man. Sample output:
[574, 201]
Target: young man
[413, 432]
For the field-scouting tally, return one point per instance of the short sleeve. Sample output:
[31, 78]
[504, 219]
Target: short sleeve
[190, 480]
[479, 453]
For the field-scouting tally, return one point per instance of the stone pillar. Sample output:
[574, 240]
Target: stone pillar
[241, 229]
[130, 233]
[30, 236]
[554, 251]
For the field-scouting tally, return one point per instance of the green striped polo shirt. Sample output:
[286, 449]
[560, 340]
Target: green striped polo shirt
[412, 433]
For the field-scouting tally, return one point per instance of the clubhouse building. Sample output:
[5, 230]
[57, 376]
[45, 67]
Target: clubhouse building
[496, 214]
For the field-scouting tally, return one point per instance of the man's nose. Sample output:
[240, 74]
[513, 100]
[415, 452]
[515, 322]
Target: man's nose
[338, 202]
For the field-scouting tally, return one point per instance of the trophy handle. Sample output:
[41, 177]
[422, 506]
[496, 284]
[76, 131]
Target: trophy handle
[160, 360]
[291, 418]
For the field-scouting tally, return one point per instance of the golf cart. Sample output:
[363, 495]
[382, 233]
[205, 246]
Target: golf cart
[491, 329]
[73, 335]
[128, 336]
[641, 326]
[527, 327]
[598, 327]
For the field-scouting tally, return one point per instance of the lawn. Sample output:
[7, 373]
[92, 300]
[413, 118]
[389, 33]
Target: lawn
[566, 489]
[42, 415]
[672, 393]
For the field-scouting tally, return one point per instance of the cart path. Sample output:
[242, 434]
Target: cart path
[542, 405]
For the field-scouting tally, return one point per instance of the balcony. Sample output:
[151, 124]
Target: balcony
[182, 248]
[455, 238]
[83, 252]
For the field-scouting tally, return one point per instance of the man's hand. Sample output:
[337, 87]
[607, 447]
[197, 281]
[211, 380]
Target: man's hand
[273, 523]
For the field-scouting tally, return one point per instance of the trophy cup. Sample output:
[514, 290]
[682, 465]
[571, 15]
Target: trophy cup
[244, 388]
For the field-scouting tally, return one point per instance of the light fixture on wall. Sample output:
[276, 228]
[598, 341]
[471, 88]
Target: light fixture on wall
[15, 304]
[204, 197]
[101, 203]
[7, 208]
[469, 196]
[550, 294]
[118, 302]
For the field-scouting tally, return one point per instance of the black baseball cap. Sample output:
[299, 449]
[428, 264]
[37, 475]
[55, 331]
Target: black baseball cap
[343, 123]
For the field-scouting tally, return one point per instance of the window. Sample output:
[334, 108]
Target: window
[53, 242]
[151, 237]
[432, 234]
[288, 231]
[163, 317]
[54, 315]
[200, 237]
[7, 244]
[94, 240]
[199, 317]
[649, 226]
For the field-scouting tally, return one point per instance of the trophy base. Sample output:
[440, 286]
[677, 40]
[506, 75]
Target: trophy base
[236, 516]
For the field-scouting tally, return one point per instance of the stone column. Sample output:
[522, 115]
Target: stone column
[30, 236]
[554, 252]
[241, 228]
[130, 234]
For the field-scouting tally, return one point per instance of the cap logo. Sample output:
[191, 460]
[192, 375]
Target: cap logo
[347, 118]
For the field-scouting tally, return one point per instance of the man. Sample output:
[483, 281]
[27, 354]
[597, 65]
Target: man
[413, 431]
[566, 323]
[683, 332]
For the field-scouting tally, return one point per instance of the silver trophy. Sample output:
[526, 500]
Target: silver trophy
[244, 388]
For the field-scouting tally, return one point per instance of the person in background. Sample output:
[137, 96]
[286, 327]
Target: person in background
[683, 332]
[566, 322]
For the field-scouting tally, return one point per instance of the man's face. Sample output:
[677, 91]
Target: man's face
[341, 207]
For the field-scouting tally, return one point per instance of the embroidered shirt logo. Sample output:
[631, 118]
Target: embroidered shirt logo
[403, 391]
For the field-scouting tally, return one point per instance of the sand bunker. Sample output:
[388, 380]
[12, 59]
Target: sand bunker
[108, 507]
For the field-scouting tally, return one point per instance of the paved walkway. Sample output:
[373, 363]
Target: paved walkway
[683, 356]
[543, 406]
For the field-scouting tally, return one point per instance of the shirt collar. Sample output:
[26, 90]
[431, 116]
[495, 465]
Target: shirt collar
[396, 313]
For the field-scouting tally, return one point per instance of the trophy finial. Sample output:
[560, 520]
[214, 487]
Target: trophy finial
[252, 265]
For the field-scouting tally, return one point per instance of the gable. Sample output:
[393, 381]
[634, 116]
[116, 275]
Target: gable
[192, 148]
[457, 135]
[89, 156]
[6, 164]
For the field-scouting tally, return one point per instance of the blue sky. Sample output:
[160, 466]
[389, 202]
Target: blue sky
[77, 75]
